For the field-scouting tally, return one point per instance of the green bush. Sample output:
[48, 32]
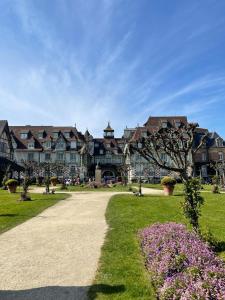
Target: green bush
[167, 180]
[11, 182]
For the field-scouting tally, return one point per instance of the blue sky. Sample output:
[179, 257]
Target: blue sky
[87, 62]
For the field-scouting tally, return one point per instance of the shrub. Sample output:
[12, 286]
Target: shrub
[192, 201]
[181, 265]
[11, 182]
[167, 180]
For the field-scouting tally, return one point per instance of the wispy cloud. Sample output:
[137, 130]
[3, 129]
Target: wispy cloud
[90, 62]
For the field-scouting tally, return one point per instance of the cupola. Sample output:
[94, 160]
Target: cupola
[108, 131]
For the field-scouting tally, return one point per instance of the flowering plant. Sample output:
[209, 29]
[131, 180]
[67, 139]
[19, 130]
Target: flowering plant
[181, 265]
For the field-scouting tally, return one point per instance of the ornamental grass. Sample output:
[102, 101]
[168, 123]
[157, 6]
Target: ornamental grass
[181, 265]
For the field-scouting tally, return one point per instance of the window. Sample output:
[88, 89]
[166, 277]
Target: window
[48, 144]
[72, 156]
[59, 156]
[107, 145]
[55, 135]
[67, 135]
[23, 135]
[47, 156]
[164, 124]
[101, 151]
[144, 134]
[220, 155]
[163, 157]
[60, 145]
[219, 143]
[73, 145]
[30, 156]
[203, 156]
[96, 145]
[31, 145]
[40, 135]
[177, 124]
[3, 147]
[72, 170]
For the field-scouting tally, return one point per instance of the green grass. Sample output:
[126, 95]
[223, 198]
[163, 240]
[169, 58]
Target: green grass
[121, 273]
[13, 212]
[178, 187]
[79, 188]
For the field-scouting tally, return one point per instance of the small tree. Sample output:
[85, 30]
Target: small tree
[173, 149]
[29, 168]
[193, 201]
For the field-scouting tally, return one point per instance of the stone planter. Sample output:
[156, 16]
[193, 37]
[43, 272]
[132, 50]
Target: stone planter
[12, 188]
[53, 183]
[168, 190]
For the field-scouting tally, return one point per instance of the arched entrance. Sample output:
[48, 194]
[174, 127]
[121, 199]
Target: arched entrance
[108, 173]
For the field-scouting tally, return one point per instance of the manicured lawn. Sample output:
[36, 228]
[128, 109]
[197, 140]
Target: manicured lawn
[13, 212]
[79, 188]
[121, 272]
[178, 186]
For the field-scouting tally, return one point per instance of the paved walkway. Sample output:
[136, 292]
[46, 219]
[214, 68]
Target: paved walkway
[55, 254]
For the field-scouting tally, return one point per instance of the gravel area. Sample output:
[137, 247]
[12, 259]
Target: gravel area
[55, 254]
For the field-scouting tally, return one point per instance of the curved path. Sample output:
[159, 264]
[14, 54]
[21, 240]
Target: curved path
[55, 254]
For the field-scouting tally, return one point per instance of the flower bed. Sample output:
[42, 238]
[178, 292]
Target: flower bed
[181, 265]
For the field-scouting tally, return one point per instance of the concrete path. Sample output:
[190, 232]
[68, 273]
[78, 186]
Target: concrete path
[55, 254]
[150, 191]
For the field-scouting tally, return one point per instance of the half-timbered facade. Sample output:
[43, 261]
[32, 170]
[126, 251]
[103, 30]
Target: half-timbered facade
[81, 153]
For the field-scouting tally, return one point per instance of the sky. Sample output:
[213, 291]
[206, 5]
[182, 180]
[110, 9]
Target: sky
[67, 62]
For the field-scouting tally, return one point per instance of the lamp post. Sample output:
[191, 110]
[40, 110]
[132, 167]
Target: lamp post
[140, 185]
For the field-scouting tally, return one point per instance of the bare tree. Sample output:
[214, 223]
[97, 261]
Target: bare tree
[173, 149]
[177, 145]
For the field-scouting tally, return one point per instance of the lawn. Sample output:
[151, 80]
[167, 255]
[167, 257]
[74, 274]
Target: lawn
[178, 187]
[13, 212]
[79, 188]
[121, 273]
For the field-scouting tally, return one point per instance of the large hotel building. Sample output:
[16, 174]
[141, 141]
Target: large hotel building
[81, 152]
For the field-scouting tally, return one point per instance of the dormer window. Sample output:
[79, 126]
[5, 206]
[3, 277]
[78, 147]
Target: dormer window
[67, 134]
[219, 143]
[23, 135]
[164, 124]
[177, 124]
[55, 134]
[31, 145]
[40, 134]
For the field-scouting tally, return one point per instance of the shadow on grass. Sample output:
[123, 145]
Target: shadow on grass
[9, 215]
[61, 292]
[106, 289]
[220, 246]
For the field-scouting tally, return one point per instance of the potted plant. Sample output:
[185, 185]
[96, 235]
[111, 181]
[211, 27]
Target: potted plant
[168, 184]
[54, 180]
[12, 185]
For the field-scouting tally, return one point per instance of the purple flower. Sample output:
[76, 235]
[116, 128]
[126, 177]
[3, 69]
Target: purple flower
[181, 265]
